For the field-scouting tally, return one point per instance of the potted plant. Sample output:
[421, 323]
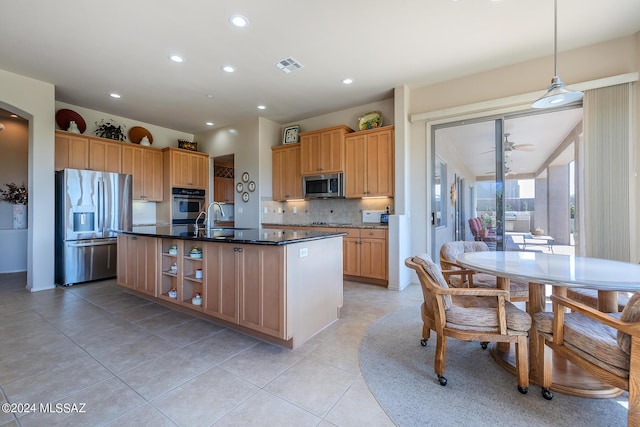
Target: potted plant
[108, 129]
[17, 195]
[488, 222]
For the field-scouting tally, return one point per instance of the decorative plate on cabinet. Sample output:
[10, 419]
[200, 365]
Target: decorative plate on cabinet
[64, 116]
[370, 120]
[136, 134]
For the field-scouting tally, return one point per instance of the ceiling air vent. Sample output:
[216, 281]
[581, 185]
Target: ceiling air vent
[289, 65]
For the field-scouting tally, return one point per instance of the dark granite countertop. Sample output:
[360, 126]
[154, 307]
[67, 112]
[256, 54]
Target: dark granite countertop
[364, 225]
[255, 236]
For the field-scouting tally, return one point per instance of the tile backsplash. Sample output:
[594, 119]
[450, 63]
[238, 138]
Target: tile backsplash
[333, 211]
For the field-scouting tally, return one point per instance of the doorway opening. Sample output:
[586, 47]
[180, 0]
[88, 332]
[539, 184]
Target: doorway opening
[513, 177]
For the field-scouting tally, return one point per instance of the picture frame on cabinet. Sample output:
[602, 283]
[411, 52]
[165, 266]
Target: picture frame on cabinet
[291, 134]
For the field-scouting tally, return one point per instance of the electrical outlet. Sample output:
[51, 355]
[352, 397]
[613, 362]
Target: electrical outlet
[279, 210]
[303, 252]
[266, 210]
[295, 210]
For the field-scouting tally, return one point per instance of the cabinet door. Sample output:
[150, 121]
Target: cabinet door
[200, 171]
[104, 156]
[351, 256]
[180, 172]
[310, 154]
[127, 266]
[286, 169]
[223, 190]
[262, 289]
[379, 164]
[355, 169]
[332, 151]
[152, 175]
[373, 254]
[133, 164]
[146, 258]
[71, 152]
[230, 190]
[220, 279]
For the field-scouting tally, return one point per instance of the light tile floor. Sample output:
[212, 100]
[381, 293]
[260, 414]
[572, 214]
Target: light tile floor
[134, 362]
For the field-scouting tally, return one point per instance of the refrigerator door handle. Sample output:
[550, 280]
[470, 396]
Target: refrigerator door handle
[84, 245]
[101, 205]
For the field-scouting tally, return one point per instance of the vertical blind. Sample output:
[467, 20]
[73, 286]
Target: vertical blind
[609, 169]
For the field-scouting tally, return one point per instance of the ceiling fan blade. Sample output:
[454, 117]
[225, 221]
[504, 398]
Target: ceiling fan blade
[524, 147]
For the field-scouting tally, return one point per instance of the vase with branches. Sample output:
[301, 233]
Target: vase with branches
[110, 130]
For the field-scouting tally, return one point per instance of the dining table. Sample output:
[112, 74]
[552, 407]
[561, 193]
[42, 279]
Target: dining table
[560, 271]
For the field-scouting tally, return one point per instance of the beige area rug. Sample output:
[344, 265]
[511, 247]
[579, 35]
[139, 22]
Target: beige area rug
[399, 373]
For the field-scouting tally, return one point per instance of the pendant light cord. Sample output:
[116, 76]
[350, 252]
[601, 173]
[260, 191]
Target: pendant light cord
[555, 37]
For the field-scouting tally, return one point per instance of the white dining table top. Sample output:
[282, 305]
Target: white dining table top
[603, 274]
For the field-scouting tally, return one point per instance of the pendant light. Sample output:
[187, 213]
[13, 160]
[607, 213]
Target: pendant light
[557, 94]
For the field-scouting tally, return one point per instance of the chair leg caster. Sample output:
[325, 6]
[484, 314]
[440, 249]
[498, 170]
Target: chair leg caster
[484, 345]
[523, 390]
[442, 380]
[423, 342]
[547, 394]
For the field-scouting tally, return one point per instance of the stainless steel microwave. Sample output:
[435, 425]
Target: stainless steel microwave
[323, 186]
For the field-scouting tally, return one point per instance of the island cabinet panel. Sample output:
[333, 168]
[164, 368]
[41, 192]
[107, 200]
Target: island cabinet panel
[221, 272]
[105, 156]
[322, 151]
[71, 151]
[287, 179]
[262, 291]
[369, 163]
[137, 267]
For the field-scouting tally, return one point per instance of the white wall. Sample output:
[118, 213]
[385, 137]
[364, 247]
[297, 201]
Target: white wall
[347, 117]
[34, 100]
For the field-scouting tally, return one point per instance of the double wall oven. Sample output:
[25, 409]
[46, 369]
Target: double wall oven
[186, 204]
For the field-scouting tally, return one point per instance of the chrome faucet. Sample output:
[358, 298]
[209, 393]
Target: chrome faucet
[211, 224]
[198, 218]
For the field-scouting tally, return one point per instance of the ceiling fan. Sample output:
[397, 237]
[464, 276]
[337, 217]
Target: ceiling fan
[510, 146]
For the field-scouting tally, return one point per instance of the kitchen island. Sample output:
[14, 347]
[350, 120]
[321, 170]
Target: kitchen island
[282, 286]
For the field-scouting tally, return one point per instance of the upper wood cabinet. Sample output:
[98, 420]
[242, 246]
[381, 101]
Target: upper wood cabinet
[322, 151]
[104, 155]
[186, 169]
[71, 151]
[145, 167]
[223, 190]
[369, 163]
[287, 179]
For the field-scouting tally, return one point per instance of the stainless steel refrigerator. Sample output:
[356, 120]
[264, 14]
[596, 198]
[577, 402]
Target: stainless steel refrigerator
[91, 207]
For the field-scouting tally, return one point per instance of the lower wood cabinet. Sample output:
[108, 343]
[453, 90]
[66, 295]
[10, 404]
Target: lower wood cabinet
[137, 263]
[221, 271]
[365, 253]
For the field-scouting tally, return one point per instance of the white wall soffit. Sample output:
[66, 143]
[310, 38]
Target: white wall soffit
[513, 103]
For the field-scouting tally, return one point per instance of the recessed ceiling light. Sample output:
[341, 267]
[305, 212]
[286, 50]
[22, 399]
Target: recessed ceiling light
[115, 95]
[262, 107]
[347, 81]
[209, 123]
[233, 131]
[208, 95]
[14, 116]
[228, 69]
[176, 58]
[239, 21]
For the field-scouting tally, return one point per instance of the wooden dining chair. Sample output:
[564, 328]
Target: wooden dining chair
[458, 276]
[606, 345]
[470, 314]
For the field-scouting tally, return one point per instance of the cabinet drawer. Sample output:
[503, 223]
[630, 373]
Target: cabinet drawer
[373, 234]
[351, 232]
